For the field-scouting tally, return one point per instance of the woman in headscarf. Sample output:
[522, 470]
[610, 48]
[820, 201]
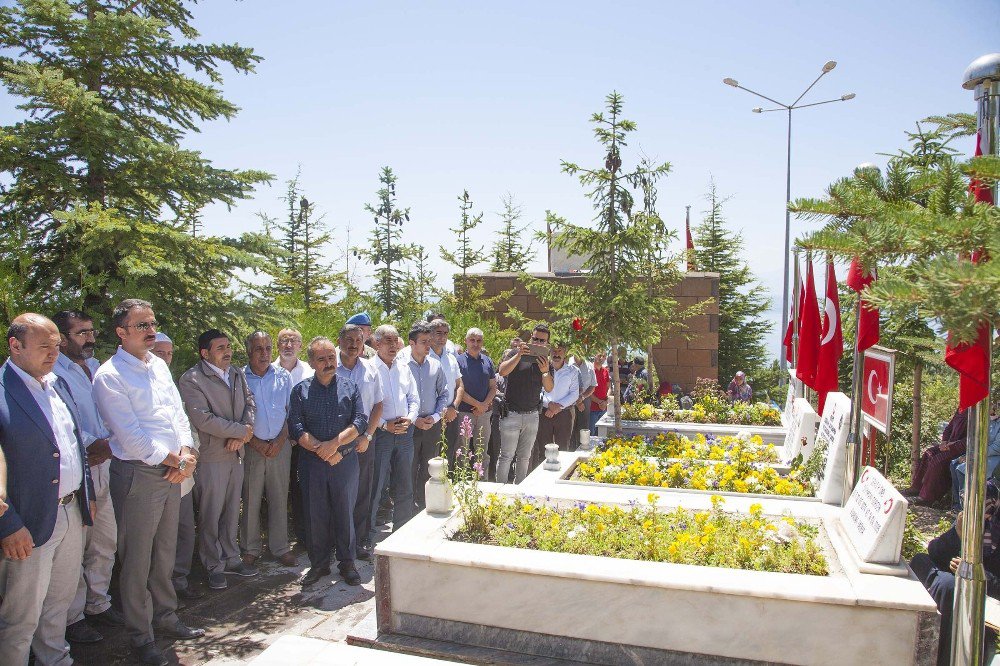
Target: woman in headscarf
[739, 389]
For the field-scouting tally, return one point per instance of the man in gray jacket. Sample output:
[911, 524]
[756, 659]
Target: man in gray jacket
[221, 409]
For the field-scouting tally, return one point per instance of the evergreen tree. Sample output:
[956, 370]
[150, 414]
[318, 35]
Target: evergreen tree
[514, 247]
[386, 250]
[743, 303]
[109, 89]
[616, 303]
[466, 256]
[423, 277]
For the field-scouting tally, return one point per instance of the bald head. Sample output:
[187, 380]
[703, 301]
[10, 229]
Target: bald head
[34, 344]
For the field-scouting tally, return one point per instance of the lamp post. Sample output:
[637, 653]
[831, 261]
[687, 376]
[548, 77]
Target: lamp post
[788, 108]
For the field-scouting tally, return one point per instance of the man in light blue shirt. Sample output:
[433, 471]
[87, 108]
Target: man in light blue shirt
[556, 420]
[432, 390]
[76, 365]
[268, 455]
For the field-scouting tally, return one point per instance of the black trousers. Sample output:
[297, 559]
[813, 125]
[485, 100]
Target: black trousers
[329, 493]
[363, 506]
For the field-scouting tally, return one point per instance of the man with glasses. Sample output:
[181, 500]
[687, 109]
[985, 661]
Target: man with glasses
[448, 358]
[432, 392]
[526, 376]
[289, 348]
[479, 387]
[76, 365]
[151, 443]
[556, 420]
[221, 409]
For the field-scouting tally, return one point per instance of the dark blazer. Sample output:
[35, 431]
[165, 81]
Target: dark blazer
[29, 446]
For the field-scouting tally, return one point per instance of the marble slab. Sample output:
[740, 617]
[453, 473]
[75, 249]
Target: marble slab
[874, 518]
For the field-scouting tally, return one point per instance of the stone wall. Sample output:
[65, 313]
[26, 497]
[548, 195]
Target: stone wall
[678, 359]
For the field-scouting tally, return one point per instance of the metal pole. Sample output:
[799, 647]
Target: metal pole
[983, 76]
[853, 467]
[795, 322]
[788, 230]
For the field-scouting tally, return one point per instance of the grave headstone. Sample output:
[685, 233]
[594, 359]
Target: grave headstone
[794, 390]
[801, 436]
[832, 436]
[874, 518]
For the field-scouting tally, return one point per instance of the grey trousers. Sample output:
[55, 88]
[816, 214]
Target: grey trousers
[185, 542]
[35, 595]
[219, 487]
[100, 541]
[426, 445]
[146, 508]
[265, 476]
[517, 436]
[479, 443]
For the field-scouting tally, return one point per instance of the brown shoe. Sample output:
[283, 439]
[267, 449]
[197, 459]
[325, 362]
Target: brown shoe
[249, 559]
[288, 559]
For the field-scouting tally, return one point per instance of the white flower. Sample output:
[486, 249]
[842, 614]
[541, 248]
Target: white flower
[576, 531]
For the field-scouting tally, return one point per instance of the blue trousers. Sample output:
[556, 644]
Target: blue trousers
[393, 462]
[329, 493]
[594, 418]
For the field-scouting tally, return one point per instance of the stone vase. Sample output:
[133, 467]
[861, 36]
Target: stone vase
[438, 496]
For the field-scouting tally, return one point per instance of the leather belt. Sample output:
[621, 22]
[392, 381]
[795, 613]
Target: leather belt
[63, 501]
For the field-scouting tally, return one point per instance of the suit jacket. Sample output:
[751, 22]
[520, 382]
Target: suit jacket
[30, 448]
[216, 411]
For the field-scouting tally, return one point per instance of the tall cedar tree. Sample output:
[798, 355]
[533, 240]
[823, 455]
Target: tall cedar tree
[386, 250]
[304, 236]
[110, 89]
[514, 247]
[466, 256]
[423, 279]
[615, 302]
[743, 302]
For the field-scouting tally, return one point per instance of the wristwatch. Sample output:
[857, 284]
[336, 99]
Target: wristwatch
[182, 465]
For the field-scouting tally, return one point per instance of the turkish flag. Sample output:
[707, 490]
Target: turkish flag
[809, 332]
[868, 331]
[831, 346]
[790, 329]
[972, 360]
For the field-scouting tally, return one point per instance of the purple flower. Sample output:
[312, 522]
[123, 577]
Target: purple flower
[479, 469]
[465, 429]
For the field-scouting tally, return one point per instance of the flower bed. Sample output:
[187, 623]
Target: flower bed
[741, 470]
[708, 409]
[710, 538]
[700, 446]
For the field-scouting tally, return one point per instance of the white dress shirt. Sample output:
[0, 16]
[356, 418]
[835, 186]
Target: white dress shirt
[452, 373]
[565, 386]
[141, 406]
[366, 375]
[302, 370]
[223, 374]
[61, 421]
[399, 390]
[91, 424]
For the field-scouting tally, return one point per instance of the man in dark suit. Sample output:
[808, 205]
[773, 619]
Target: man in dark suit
[50, 497]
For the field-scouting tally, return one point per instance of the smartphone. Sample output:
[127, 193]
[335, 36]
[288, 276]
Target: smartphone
[538, 350]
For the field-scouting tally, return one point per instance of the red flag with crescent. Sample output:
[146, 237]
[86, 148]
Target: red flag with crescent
[809, 332]
[831, 345]
[868, 326]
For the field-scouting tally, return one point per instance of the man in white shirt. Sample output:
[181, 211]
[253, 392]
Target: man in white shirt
[556, 420]
[364, 373]
[392, 448]
[268, 456]
[151, 443]
[76, 365]
[289, 348]
[432, 391]
[446, 355]
[50, 497]
[581, 415]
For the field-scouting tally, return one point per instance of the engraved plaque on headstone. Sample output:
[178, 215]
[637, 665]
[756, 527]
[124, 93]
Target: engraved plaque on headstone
[832, 436]
[874, 518]
[801, 435]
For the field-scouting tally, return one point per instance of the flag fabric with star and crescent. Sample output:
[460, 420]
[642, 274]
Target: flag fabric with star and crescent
[809, 332]
[831, 346]
[868, 325]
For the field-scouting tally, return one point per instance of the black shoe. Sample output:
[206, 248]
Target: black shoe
[313, 576]
[81, 632]
[181, 632]
[350, 574]
[364, 550]
[150, 655]
[190, 593]
[109, 617]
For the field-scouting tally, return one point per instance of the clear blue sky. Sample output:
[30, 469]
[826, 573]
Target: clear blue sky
[490, 96]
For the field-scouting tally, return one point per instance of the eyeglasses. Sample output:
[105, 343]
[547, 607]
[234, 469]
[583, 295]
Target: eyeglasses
[86, 333]
[143, 325]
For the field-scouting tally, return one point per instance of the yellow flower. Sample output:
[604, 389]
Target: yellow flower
[646, 524]
[651, 498]
[527, 508]
[555, 522]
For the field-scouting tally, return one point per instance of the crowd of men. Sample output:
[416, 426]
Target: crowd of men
[116, 459]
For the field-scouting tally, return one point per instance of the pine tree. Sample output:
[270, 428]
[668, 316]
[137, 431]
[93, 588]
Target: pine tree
[743, 303]
[514, 247]
[109, 90]
[423, 279]
[466, 256]
[386, 250]
[616, 303]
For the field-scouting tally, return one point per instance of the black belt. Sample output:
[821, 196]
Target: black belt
[63, 501]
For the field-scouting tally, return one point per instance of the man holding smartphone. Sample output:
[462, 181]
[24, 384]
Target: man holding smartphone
[527, 372]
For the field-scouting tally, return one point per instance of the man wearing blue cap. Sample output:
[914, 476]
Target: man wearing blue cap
[365, 322]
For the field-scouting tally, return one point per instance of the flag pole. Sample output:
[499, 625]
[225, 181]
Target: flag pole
[807, 392]
[854, 432]
[795, 321]
[967, 638]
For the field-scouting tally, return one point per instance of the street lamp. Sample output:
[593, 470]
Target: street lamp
[827, 68]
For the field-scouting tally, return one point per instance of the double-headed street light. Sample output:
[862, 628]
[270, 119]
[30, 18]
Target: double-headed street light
[827, 68]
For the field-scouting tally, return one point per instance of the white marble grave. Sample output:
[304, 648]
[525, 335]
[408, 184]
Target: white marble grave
[832, 435]
[769, 434]
[801, 436]
[874, 518]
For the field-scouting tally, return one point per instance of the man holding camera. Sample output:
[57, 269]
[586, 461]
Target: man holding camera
[527, 371]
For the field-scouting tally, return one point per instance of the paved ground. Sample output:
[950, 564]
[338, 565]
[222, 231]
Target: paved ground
[252, 613]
